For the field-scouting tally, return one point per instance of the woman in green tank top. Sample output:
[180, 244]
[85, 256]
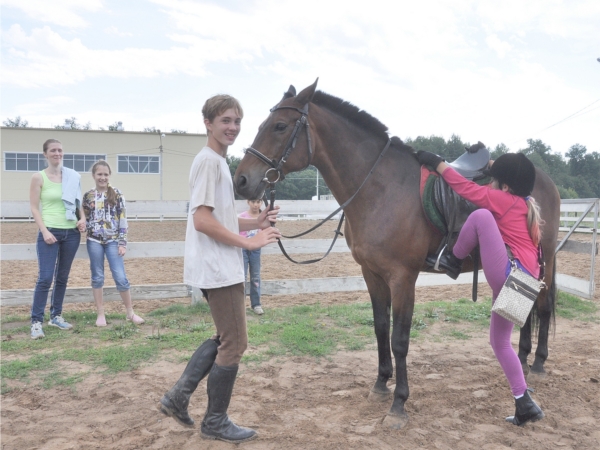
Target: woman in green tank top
[58, 238]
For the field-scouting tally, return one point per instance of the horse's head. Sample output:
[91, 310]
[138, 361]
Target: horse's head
[282, 145]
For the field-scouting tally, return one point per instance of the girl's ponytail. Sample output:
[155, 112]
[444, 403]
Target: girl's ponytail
[111, 196]
[534, 220]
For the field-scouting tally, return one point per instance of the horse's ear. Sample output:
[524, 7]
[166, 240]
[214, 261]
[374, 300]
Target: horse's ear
[291, 92]
[307, 94]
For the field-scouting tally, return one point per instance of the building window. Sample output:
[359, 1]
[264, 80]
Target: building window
[138, 164]
[24, 162]
[34, 162]
[81, 162]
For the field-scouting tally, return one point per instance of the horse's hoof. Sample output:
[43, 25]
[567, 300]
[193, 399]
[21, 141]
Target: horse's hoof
[379, 396]
[532, 376]
[395, 422]
[525, 368]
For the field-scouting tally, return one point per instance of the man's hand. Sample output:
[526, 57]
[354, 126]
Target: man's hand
[266, 217]
[263, 237]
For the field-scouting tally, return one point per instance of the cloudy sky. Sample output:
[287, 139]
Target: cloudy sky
[495, 71]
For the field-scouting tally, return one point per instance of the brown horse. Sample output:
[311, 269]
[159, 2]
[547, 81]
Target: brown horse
[386, 228]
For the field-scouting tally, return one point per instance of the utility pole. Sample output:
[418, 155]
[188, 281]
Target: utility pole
[160, 163]
[317, 183]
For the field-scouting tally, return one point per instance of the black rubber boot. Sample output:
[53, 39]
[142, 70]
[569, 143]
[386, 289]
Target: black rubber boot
[526, 411]
[175, 402]
[216, 423]
[451, 264]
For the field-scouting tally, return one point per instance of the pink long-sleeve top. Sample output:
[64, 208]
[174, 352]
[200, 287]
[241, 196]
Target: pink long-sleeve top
[510, 212]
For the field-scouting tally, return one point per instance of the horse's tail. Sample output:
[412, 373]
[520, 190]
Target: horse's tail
[547, 307]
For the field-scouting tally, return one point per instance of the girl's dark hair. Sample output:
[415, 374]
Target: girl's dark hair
[111, 195]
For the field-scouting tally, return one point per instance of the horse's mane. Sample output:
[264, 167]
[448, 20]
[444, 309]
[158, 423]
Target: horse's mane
[349, 111]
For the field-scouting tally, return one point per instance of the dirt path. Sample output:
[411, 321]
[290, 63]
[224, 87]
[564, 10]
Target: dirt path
[458, 400]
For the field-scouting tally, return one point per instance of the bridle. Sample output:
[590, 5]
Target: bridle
[277, 166]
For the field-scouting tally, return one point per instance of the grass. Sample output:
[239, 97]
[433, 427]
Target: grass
[173, 333]
[571, 307]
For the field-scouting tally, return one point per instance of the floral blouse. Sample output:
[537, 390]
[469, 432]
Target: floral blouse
[105, 223]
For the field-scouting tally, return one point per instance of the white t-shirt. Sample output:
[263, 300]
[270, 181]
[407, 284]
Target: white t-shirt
[209, 264]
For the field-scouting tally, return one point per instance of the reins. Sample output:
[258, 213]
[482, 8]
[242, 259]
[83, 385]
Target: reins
[277, 166]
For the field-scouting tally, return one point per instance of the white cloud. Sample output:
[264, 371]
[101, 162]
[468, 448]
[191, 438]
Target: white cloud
[499, 46]
[420, 67]
[57, 12]
[112, 30]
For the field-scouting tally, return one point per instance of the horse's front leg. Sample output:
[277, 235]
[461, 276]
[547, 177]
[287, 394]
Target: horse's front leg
[380, 302]
[403, 298]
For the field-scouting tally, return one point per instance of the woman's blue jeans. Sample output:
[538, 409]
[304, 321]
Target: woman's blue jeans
[54, 264]
[252, 259]
[97, 252]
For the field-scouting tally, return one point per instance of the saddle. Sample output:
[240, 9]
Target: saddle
[445, 210]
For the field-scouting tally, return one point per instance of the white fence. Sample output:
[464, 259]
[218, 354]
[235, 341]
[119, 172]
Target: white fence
[13, 211]
[577, 286]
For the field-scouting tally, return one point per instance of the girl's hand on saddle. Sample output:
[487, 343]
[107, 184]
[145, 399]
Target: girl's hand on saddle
[267, 217]
[263, 237]
[429, 159]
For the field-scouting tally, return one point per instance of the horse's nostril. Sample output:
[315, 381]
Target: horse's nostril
[241, 181]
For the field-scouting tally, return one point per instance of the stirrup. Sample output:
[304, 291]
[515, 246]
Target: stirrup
[436, 263]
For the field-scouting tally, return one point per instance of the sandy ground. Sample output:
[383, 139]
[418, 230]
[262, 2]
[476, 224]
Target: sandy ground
[458, 397]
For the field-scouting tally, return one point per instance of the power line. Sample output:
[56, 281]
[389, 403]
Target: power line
[563, 120]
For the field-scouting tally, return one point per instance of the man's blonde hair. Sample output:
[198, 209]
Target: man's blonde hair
[218, 104]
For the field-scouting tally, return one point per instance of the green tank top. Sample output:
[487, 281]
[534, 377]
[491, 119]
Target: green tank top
[54, 213]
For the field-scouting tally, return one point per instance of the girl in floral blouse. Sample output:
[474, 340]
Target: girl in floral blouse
[106, 224]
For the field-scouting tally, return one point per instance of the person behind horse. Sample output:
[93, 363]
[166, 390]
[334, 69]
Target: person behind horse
[213, 262]
[106, 223]
[252, 258]
[509, 216]
[58, 190]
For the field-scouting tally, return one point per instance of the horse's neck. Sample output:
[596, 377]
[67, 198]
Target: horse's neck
[345, 160]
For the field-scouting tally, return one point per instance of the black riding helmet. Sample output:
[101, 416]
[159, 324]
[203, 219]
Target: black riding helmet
[516, 171]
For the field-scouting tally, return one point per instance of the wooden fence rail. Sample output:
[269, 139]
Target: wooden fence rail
[582, 287]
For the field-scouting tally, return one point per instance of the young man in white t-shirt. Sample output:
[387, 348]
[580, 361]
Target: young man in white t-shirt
[213, 262]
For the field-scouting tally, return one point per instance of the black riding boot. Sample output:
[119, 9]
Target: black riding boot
[451, 264]
[175, 402]
[216, 423]
[527, 411]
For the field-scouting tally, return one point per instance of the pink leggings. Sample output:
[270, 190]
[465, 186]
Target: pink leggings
[481, 228]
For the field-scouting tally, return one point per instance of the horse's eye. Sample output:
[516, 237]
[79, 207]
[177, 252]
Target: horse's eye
[280, 126]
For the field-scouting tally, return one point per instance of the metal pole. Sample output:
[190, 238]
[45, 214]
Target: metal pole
[317, 183]
[160, 165]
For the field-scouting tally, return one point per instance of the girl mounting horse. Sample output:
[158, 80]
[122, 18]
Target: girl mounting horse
[386, 228]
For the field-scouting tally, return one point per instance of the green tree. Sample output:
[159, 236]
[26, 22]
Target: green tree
[17, 122]
[173, 130]
[71, 124]
[449, 150]
[567, 192]
[433, 144]
[233, 162]
[500, 150]
[151, 130]
[584, 169]
[117, 126]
